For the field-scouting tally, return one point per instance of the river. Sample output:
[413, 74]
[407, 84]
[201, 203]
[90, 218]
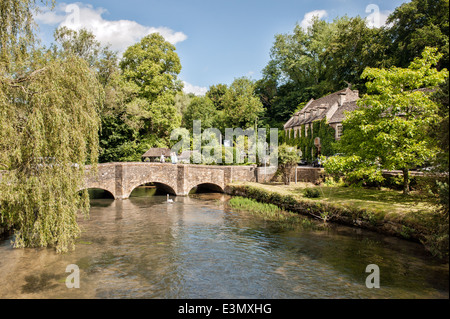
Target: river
[197, 247]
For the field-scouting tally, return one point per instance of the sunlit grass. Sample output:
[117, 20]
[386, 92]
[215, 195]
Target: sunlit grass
[269, 212]
[376, 200]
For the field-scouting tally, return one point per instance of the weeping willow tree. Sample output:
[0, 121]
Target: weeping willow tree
[49, 125]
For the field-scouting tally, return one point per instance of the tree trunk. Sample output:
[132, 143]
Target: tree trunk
[286, 175]
[406, 189]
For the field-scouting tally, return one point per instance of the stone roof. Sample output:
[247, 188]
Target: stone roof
[326, 106]
[157, 152]
[339, 116]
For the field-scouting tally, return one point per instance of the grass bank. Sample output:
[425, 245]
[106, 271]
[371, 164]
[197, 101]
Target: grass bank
[385, 211]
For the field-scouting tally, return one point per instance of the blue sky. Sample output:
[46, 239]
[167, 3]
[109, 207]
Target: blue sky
[217, 41]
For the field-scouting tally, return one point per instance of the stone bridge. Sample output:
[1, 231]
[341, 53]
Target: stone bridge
[120, 179]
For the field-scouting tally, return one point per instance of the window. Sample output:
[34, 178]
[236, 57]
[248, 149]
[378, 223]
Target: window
[339, 131]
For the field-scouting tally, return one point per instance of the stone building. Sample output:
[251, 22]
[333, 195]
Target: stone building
[154, 154]
[331, 107]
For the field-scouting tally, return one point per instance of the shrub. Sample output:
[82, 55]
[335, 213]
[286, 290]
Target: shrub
[312, 193]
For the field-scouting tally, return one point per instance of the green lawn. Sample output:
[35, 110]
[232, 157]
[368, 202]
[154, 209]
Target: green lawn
[379, 201]
[386, 211]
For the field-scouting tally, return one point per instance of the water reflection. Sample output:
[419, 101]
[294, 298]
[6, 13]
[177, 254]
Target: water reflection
[197, 247]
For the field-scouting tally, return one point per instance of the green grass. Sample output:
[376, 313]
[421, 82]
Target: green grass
[384, 201]
[413, 217]
[270, 212]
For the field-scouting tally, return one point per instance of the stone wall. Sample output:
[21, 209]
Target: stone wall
[308, 174]
[104, 179]
[266, 174]
[244, 173]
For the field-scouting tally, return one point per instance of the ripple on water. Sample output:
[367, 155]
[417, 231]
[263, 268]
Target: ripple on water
[198, 248]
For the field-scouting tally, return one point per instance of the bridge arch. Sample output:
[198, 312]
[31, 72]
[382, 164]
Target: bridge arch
[207, 187]
[160, 185]
[97, 193]
[103, 188]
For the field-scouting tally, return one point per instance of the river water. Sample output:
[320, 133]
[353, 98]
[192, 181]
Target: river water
[197, 247]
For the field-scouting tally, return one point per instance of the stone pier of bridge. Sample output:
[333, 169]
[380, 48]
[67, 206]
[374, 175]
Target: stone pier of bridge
[120, 179]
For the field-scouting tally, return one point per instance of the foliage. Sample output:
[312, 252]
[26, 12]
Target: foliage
[416, 25]
[353, 170]
[310, 152]
[45, 148]
[49, 122]
[439, 131]
[81, 43]
[312, 193]
[241, 106]
[150, 69]
[389, 129]
[216, 94]
[311, 63]
[438, 242]
[287, 160]
[328, 56]
[199, 109]
[17, 32]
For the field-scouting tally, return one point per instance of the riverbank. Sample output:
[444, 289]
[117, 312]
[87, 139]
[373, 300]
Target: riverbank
[383, 211]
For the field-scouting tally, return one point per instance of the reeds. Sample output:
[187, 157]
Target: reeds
[269, 212]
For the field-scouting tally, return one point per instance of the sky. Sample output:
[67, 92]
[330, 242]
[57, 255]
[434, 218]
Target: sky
[217, 41]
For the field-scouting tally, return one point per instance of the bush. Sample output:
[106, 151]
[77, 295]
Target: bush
[312, 193]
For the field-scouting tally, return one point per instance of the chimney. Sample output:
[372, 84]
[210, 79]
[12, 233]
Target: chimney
[342, 99]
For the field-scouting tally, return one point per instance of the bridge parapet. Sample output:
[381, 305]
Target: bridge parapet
[120, 179]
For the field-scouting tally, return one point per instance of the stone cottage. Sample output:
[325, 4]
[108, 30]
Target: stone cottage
[154, 154]
[331, 107]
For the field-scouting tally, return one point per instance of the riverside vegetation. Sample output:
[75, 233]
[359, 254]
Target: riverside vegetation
[385, 211]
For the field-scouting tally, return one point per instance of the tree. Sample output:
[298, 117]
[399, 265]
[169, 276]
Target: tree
[416, 25]
[353, 47]
[17, 33]
[241, 106]
[150, 69]
[216, 94]
[200, 109]
[49, 126]
[440, 130]
[287, 161]
[390, 128]
[81, 43]
[182, 101]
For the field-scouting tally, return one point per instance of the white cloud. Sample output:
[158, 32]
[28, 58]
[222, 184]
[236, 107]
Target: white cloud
[197, 90]
[307, 20]
[120, 34]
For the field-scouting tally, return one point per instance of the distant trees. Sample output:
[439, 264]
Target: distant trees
[241, 105]
[416, 25]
